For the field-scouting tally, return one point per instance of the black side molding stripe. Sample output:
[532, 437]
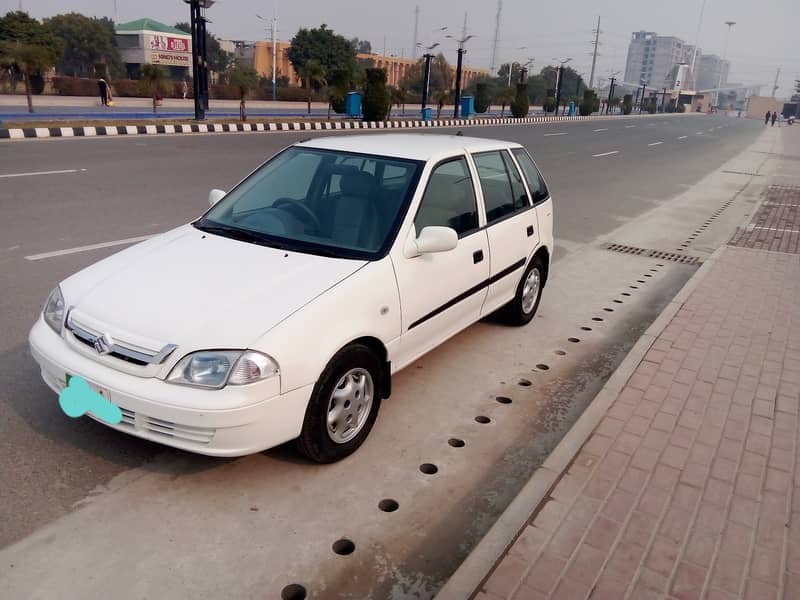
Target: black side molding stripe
[473, 290]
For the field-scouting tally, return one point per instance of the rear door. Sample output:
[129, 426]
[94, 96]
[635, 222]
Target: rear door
[511, 224]
[540, 196]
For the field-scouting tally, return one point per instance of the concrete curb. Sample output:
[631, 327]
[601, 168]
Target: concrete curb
[186, 128]
[466, 581]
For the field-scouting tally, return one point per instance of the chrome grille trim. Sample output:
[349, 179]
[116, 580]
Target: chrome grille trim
[117, 349]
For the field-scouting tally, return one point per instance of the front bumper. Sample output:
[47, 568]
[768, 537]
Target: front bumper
[166, 413]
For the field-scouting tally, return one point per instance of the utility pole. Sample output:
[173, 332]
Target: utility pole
[496, 35]
[426, 80]
[194, 11]
[663, 98]
[559, 78]
[696, 42]
[594, 54]
[416, 32]
[642, 101]
[273, 29]
[775, 85]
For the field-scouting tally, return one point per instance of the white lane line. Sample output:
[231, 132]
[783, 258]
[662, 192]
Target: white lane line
[132, 240]
[655, 143]
[605, 154]
[699, 133]
[35, 173]
[596, 130]
[549, 134]
[629, 126]
[683, 137]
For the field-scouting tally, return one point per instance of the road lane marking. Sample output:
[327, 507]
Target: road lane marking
[683, 137]
[699, 133]
[596, 130]
[605, 154]
[36, 173]
[77, 249]
[629, 126]
[549, 134]
[655, 143]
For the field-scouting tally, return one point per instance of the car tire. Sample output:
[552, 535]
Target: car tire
[523, 307]
[325, 437]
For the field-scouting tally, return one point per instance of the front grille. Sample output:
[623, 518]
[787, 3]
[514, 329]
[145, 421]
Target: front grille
[140, 422]
[119, 350]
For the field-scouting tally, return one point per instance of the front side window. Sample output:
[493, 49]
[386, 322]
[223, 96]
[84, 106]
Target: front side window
[318, 201]
[534, 178]
[498, 191]
[449, 199]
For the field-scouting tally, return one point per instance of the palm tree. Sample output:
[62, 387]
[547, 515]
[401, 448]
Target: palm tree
[246, 79]
[505, 96]
[312, 73]
[440, 97]
[398, 98]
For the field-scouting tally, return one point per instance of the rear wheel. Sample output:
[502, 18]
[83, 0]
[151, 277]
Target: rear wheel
[343, 405]
[523, 307]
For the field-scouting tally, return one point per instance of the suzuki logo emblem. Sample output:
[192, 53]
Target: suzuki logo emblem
[103, 344]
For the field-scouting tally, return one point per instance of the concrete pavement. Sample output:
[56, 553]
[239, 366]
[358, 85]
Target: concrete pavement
[134, 187]
[687, 487]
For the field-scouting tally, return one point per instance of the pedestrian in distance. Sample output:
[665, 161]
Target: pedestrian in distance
[774, 117]
[103, 87]
[185, 88]
[766, 119]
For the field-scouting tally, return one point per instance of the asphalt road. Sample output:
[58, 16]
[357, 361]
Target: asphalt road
[57, 195]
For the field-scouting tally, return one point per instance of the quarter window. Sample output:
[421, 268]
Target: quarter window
[449, 199]
[535, 182]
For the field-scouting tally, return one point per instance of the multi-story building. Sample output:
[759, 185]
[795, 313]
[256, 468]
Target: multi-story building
[146, 41]
[652, 57]
[710, 68]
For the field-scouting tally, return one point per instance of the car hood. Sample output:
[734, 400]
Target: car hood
[199, 290]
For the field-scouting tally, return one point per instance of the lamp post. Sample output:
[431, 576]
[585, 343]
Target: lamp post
[559, 79]
[273, 29]
[427, 75]
[459, 63]
[611, 86]
[199, 59]
[730, 25]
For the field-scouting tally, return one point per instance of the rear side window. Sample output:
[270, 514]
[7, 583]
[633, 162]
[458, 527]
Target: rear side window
[449, 199]
[535, 182]
[498, 192]
[517, 187]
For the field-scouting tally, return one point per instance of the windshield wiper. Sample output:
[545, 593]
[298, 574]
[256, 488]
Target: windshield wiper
[243, 235]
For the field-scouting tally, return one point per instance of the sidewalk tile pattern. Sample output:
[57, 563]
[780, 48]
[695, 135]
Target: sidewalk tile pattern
[689, 487]
[776, 224]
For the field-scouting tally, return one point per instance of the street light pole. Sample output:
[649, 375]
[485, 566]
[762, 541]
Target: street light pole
[696, 42]
[559, 78]
[273, 29]
[459, 63]
[730, 25]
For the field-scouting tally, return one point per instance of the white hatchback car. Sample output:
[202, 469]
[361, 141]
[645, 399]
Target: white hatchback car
[282, 313]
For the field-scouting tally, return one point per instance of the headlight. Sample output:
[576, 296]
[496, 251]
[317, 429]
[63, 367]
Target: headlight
[216, 368]
[54, 310]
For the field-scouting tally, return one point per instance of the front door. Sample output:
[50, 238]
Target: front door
[442, 293]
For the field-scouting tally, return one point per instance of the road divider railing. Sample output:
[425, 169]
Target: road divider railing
[205, 128]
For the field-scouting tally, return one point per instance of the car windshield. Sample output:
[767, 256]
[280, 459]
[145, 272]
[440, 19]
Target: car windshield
[318, 201]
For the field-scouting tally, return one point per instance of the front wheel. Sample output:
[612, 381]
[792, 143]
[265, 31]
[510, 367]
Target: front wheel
[523, 307]
[343, 406]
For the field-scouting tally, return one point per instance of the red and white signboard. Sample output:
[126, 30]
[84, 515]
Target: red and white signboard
[170, 44]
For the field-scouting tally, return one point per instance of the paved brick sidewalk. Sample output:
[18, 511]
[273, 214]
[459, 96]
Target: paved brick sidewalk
[687, 487]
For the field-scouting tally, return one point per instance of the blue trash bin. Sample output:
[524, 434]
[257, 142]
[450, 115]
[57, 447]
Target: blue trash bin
[467, 107]
[352, 105]
[572, 109]
[427, 114]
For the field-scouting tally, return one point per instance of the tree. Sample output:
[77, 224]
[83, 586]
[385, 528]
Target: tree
[520, 105]
[549, 103]
[482, 98]
[153, 78]
[330, 50]
[537, 89]
[246, 79]
[375, 105]
[361, 46]
[505, 96]
[89, 45]
[28, 47]
[627, 104]
[397, 96]
[312, 75]
[587, 106]
[340, 82]
[219, 60]
[441, 76]
[502, 74]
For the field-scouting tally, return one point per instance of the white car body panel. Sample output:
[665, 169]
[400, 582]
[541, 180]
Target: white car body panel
[202, 291]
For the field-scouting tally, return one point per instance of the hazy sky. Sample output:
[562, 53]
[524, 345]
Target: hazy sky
[759, 42]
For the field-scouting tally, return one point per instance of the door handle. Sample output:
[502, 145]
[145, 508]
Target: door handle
[530, 230]
[477, 256]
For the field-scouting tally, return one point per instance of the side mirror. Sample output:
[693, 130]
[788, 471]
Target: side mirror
[215, 196]
[434, 239]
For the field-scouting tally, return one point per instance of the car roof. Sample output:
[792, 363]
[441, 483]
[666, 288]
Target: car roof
[416, 146]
